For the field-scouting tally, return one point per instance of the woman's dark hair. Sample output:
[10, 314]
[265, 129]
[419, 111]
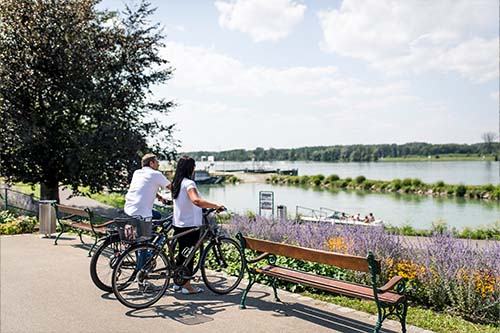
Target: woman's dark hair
[185, 168]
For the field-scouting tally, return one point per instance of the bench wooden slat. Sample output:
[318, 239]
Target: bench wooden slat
[72, 210]
[329, 284]
[84, 226]
[319, 256]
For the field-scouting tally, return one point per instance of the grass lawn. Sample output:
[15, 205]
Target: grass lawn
[423, 318]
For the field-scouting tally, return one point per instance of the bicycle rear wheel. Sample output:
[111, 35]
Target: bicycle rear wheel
[222, 266]
[140, 287]
[104, 260]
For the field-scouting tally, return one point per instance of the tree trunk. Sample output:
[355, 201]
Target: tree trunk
[49, 191]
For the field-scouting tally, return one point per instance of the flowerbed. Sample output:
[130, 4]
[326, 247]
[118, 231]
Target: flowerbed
[442, 272]
[10, 224]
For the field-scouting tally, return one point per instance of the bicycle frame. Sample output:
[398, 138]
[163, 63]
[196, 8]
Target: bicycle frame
[170, 243]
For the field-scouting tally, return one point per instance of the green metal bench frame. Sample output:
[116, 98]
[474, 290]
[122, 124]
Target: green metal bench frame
[388, 302]
[79, 219]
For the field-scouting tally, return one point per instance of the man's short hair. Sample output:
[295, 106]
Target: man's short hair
[146, 159]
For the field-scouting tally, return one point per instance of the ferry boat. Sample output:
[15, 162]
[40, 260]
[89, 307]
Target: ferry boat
[203, 177]
[334, 217]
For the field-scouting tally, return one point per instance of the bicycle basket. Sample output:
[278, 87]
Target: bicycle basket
[213, 224]
[134, 229]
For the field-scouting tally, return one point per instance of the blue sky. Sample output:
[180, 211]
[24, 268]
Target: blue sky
[281, 73]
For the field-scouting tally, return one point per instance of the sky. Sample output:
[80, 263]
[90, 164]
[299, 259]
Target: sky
[283, 74]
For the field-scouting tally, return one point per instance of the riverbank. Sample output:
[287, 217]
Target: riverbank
[407, 185]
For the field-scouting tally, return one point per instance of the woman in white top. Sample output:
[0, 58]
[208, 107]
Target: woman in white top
[187, 212]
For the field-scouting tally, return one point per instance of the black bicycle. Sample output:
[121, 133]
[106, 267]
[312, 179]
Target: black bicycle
[112, 245]
[138, 283]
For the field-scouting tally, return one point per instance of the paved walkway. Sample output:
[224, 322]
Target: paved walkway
[47, 288]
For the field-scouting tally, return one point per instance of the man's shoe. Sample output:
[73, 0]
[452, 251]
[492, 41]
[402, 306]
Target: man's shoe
[196, 290]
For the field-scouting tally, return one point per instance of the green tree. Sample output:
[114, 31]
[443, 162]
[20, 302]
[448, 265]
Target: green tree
[489, 139]
[75, 96]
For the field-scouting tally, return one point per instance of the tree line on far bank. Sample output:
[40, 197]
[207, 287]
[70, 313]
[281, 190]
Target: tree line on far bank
[353, 153]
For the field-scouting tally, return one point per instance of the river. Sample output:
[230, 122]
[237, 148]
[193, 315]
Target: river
[451, 172]
[395, 209]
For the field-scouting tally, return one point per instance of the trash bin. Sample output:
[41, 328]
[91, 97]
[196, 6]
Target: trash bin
[281, 212]
[47, 217]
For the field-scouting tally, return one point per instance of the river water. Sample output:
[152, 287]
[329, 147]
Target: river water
[451, 172]
[394, 208]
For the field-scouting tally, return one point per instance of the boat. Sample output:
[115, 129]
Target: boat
[327, 215]
[203, 177]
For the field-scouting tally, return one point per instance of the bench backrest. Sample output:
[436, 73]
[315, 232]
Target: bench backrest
[323, 257]
[73, 211]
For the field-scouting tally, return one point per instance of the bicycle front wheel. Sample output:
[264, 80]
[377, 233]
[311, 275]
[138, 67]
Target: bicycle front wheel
[104, 260]
[222, 266]
[140, 276]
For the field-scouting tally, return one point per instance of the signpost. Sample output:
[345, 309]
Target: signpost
[266, 201]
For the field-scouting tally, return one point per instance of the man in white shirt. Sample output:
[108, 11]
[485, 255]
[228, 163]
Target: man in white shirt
[144, 188]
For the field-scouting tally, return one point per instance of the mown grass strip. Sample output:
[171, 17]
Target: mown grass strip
[423, 318]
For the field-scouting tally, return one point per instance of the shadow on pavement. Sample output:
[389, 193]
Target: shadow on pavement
[199, 309]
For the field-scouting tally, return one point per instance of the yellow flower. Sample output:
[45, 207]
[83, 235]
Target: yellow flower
[338, 244]
[406, 269]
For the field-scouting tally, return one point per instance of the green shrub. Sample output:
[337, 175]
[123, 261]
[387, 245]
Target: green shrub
[396, 184]
[344, 183]
[360, 179]
[460, 190]
[407, 182]
[489, 187]
[439, 183]
[303, 180]
[368, 184]
[317, 179]
[332, 178]
[416, 182]
[11, 224]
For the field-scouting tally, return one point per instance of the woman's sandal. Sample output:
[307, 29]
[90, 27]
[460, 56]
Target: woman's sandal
[196, 290]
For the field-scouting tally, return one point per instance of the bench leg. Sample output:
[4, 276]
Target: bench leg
[273, 283]
[381, 317]
[93, 246]
[59, 235]
[251, 281]
[80, 235]
[403, 317]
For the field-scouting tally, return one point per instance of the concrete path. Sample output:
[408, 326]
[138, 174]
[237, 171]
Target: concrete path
[47, 288]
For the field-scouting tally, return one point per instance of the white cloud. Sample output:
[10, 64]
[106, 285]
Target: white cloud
[206, 70]
[215, 90]
[495, 95]
[263, 20]
[416, 36]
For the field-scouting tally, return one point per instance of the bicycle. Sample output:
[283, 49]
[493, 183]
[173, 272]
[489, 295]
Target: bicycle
[105, 257]
[221, 264]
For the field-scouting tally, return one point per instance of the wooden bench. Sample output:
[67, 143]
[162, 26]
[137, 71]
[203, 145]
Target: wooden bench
[82, 220]
[388, 302]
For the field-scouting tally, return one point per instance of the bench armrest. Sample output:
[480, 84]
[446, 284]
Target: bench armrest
[105, 224]
[390, 285]
[257, 259]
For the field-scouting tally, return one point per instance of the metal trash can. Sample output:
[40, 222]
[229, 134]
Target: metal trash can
[281, 212]
[47, 217]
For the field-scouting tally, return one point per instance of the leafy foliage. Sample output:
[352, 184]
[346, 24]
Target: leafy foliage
[442, 272]
[352, 153]
[75, 94]
[10, 224]
[407, 185]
